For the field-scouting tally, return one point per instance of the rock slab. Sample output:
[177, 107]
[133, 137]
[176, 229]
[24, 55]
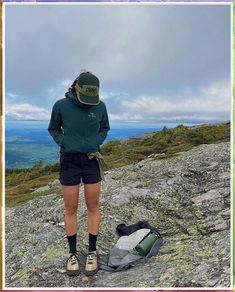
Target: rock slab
[187, 198]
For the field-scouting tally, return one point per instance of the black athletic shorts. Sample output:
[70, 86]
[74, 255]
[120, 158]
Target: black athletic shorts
[77, 166]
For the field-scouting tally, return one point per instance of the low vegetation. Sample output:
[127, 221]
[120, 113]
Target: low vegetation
[163, 144]
[20, 183]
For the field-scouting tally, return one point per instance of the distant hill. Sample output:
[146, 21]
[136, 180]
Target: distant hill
[163, 144]
[160, 145]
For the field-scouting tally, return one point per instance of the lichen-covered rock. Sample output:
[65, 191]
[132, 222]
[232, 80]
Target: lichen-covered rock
[187, 198]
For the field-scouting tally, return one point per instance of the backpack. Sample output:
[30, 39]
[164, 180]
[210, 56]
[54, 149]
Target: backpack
[124, 254]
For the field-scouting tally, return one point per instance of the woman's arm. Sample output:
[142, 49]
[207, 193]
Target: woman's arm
[54, 127]
[104, 126]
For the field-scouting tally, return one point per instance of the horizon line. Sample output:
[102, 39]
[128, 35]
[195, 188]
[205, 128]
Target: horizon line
[134, 122]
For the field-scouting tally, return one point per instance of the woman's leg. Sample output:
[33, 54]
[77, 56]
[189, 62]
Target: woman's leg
[92, 194]
[70, 194]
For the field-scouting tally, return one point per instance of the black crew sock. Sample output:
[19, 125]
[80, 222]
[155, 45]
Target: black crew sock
[72, 240]
[92, 242]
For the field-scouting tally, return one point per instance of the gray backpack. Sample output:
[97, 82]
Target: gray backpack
[123, 254]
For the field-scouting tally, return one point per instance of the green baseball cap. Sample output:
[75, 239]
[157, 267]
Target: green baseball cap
[87, 88]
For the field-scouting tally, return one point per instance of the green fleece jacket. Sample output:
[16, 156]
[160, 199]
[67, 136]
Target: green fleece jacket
[76, 128]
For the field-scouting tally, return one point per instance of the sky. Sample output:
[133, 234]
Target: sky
[155, 63]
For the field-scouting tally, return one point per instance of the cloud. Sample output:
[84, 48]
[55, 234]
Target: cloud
[208, 103]
[13, 95]
[125, 117]
[117, 95]
[56, 91]
[25, 111]
[160, 55]
[65, 83]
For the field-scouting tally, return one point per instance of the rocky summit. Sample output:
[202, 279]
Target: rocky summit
[186, 197]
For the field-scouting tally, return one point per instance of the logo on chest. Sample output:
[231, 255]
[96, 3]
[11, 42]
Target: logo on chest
[91, 115]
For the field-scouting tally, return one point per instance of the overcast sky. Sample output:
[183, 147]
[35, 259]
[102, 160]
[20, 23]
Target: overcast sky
[156, 63]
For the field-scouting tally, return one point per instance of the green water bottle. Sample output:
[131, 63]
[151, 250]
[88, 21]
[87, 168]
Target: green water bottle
[145, 245]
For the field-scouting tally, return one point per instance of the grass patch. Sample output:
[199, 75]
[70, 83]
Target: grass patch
[20, 183]
[22, 192]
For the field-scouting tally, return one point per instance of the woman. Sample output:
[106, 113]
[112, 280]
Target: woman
[84, 120]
